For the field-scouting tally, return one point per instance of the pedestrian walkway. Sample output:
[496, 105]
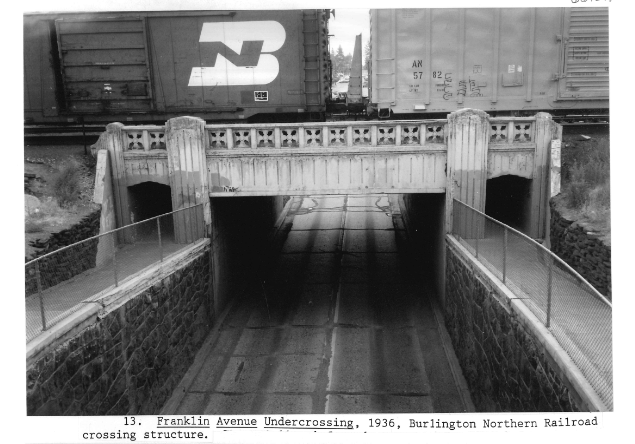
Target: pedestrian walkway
[70, 295]
[579, 319]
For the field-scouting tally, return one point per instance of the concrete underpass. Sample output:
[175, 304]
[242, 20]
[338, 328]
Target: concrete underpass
[342, 319]
[328, 302]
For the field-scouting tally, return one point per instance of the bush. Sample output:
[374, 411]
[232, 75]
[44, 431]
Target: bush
[66, 184]
[588, 189]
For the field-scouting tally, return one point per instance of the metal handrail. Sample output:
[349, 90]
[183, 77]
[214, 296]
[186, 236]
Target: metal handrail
[56, 275]
[577, 275]
[107, 233]
[573, 311]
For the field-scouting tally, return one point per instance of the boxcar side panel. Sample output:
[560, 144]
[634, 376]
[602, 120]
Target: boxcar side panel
[194, 73]
[151, 66]
[491, 59]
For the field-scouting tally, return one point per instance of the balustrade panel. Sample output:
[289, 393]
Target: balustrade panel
[512, 131]
[435, 133]
[386, 135]
[242, 138]
[290, 137]
[217, 139]
[265, 138]
[313, 137]
[337, 136]
[410, 135]
[362, 136]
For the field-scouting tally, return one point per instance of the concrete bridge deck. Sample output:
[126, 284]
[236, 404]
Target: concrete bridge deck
[344, 325]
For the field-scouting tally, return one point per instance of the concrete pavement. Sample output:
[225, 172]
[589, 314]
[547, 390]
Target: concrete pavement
[342, 324]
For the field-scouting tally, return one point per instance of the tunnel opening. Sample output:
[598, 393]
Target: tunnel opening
[241, 233]
[508, 200]
[148, 200]
[425, 214]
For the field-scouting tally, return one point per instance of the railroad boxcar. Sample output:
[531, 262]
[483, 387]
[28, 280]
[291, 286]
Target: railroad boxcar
[151, 66]
[515, 60]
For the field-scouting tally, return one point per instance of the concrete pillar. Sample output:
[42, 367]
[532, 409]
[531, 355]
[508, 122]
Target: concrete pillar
[546, 130]
[468, 134]
[104, 196]
[116, 145]
[187, 169]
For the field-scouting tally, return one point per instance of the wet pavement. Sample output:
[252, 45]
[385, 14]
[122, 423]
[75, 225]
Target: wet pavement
[343, 324]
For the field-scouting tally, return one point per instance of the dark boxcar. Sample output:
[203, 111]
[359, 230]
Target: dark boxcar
[150, 66]
[515, 59]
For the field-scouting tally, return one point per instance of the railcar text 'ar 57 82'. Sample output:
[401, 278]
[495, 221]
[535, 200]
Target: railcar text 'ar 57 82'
[498, 60]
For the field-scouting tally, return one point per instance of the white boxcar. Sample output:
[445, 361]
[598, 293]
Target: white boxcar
[514, 59]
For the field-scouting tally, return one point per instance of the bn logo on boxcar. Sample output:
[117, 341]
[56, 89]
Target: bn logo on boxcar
[241, 53]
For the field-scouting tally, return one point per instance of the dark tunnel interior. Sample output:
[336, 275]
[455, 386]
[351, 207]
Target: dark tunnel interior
[508, 200]
[147, 200]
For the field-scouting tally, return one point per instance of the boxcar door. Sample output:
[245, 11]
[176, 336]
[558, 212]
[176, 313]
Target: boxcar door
[585, 72]
[104, 63]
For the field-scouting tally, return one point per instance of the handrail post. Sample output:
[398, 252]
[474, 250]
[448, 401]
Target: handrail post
[477, 236]
[549, 291]
[114, 260]
[192, 221]
[455, 215]
[504, 253]
[160, 244]
[39, 292]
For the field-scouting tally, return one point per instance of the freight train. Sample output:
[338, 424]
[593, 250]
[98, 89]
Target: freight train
[150, 66]
[503, 61]
[268, 66]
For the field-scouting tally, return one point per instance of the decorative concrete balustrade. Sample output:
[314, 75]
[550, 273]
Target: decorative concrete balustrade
[326, 135]
[145, 138]
[503, 131]
[454, 156]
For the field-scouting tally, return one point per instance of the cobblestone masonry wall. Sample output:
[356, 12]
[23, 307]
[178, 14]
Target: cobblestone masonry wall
[504, 366]
[130, 361]
[584, 252]
[68, 263]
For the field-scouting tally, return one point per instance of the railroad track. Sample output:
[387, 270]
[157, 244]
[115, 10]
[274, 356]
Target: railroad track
[91, 131]
[583, 120]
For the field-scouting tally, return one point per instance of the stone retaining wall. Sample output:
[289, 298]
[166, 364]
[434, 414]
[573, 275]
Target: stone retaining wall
[129, 361]
[65, 264]
[584, 252]
[505, 366]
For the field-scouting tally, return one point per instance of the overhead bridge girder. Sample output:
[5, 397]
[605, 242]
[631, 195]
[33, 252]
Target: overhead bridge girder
[455, 156]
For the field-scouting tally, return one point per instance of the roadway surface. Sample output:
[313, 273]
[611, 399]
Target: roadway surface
[342, 325]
